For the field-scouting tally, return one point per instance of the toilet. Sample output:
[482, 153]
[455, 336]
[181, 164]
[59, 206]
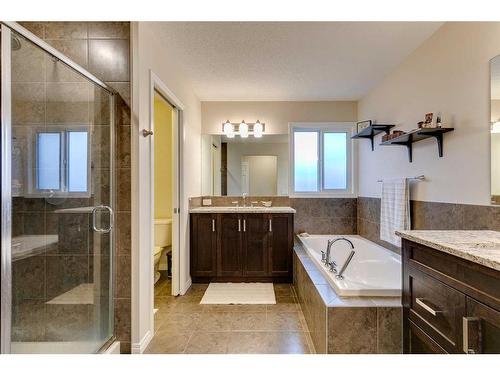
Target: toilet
[163, 241]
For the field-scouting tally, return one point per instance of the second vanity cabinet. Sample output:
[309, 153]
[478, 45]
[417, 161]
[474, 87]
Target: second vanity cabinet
[241, 247]
[450, 304]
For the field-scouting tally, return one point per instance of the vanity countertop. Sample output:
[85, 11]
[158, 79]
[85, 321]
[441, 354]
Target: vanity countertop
[233, 209]
[478, 246]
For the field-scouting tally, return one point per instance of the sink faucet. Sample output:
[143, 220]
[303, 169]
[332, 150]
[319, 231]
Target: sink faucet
[244, 196]
[325, 257]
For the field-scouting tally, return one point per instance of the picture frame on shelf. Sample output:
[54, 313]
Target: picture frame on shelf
[362, 125]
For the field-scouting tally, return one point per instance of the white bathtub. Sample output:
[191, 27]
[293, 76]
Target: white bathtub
[373, 271]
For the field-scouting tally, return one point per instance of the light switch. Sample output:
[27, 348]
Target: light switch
[206, 202]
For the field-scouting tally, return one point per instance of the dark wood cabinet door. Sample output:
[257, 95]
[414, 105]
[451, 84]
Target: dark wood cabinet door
[229, 256]
[203, 245]
[481, 329]
[255, 246]
[420, 343]
[281, 245]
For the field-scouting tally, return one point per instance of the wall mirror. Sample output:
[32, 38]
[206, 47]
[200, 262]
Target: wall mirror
[495, 128]
[252, 166]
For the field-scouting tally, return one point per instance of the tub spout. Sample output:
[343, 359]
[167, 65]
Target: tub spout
[327, 260]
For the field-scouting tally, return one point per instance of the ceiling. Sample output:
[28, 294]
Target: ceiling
[289, 60]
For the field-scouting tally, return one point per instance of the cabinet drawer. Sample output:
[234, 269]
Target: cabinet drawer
[437, 309]
[420, 343]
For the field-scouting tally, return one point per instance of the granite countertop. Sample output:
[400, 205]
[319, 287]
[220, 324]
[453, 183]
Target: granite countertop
[233, 209]
[478, 246]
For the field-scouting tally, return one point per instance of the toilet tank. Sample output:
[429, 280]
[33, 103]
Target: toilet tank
[163, 232]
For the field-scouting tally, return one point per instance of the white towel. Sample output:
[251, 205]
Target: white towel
[394, 209]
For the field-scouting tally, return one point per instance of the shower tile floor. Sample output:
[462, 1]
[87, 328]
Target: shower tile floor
[182, 325]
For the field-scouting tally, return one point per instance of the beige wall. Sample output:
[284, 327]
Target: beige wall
[276, 115]
[448, 73]
[149, 54]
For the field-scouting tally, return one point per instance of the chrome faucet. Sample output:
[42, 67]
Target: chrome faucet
[244, 196]
[325, 257]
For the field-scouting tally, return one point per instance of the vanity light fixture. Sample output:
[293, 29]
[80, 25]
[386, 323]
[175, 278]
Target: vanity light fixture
[495, 127]
[228, 129]
[257, 129]
[243, 129]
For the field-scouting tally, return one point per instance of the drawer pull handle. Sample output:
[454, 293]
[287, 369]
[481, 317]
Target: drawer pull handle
[270, 225]
[239, 225]
[426, 307]
[471, 335]
[213, 225]
[244, 225]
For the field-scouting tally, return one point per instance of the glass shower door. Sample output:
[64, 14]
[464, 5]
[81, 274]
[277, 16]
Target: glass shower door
[61, 161]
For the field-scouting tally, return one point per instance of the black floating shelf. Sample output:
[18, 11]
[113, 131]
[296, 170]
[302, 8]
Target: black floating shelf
[371, 131]
[409, 138]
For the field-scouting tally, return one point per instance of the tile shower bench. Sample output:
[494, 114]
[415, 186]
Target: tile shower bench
[344, 325]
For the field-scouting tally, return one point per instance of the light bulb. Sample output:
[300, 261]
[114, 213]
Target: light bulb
[243, 130]
[227, 128]
[257, 129]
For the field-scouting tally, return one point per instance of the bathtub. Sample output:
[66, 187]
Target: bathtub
[373, 271]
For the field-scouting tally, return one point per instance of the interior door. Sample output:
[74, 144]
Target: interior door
[255, 245]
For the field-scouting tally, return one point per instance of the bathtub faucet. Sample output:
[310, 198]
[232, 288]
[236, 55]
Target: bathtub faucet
[329, 262]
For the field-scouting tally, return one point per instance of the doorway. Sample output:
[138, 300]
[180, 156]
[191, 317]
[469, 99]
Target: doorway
[165, 193]
[164, 120]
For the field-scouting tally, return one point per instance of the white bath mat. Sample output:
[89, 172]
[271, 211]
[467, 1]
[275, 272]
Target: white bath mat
[239, 294]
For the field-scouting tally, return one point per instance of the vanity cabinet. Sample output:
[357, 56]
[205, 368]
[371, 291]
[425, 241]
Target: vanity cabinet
[450, 305]
[241, 247]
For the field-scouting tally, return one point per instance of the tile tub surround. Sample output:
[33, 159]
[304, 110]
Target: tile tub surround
[345, 325]
[428, 216]
[313, 215]
[481, 247]
[91, 45]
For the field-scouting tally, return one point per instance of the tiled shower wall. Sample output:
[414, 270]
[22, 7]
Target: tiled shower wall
[103, 49]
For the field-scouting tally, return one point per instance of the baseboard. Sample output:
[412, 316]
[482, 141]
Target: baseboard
[139, 348]
[186, 286]
[114, 348]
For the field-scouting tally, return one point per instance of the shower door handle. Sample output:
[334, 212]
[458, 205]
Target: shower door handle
[111, 219]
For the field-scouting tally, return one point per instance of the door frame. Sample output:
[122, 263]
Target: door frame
[157, 85]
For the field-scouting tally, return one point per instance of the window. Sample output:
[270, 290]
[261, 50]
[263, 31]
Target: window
[60, 163]
[321, 159]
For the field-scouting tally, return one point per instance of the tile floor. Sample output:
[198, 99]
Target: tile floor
[182, 325]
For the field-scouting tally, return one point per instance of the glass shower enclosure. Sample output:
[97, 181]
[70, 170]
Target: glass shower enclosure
[57, 156]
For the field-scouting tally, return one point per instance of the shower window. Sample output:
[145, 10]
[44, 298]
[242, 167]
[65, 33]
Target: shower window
[60, 164]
